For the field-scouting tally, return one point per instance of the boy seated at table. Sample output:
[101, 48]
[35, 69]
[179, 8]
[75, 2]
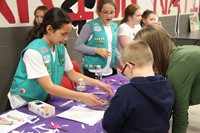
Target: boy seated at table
[145, 104]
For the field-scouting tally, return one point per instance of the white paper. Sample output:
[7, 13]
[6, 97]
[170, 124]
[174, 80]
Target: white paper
[194, 117]
[84, 115]
[16, 124]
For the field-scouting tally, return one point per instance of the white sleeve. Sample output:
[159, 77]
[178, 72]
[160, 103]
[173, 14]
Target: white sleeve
[68, 62]
[123, 30]
[35, 66]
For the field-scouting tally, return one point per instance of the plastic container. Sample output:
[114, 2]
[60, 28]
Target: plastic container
[81, 85]
[98, 72]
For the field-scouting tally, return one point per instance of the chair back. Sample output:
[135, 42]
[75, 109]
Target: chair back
[66, 82]
[76, 66]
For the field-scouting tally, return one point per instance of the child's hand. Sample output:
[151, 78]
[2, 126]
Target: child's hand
[103, 52]
[105, 87]
[90, 99]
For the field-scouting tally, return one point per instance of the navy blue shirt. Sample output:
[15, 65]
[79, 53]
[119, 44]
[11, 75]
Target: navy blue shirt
[142, 106]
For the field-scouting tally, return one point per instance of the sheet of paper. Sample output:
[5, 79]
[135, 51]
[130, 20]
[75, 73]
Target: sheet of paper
[194, 117]
[14, 116]
[81, 114]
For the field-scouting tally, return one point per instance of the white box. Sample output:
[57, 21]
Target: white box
[41, 108]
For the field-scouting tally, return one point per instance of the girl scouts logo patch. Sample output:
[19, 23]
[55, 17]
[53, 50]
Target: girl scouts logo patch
[97, 27]
[47, 58]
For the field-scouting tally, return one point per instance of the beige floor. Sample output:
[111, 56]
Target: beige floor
[194, 119]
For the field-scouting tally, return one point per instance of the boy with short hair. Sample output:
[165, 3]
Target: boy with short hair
[145, 104]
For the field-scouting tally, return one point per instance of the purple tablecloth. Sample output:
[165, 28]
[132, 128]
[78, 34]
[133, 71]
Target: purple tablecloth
[72, 126]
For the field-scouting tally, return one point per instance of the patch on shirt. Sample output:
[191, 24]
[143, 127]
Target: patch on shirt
[62, 59]
[97, 27]
[43, 50]
[48, 68]
[86, 65]
[99, 40]
[47, 58]
[22, 90]
[90, 66]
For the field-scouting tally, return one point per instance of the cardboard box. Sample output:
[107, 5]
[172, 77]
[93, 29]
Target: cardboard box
[41, 108]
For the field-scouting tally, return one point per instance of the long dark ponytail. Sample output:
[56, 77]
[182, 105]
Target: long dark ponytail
[55, 17]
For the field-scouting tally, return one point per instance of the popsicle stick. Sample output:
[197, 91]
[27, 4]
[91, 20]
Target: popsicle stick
[15, 118]
[66, 103]
[98, 93]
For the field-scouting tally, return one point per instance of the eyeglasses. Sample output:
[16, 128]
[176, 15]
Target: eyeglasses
[105, 13]
[122, 72]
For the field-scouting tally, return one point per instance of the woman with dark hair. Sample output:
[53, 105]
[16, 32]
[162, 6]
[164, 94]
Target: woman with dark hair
[43, 63]
[181, 65]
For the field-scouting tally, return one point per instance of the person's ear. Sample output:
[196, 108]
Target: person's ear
[98, 13]
[144, 20]
[131, 66]
[49, 29]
